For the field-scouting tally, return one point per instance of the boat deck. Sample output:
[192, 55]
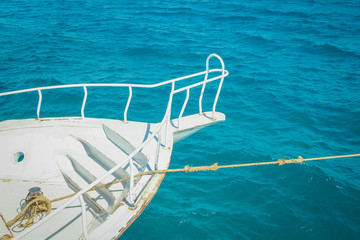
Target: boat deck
[63, 156]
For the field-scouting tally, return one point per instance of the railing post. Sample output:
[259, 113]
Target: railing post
[158, 149]
[83, 213]
[131, 199]
[168, 111]
[205, 79]
[39, 104]
[203, 86]
[127, 104]
[84, 102]
[184, 106]
[220, 84]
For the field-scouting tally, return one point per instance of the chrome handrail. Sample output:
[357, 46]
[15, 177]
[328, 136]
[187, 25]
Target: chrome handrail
[164, 123]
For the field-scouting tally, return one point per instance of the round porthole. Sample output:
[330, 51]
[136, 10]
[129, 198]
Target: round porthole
[18, 157]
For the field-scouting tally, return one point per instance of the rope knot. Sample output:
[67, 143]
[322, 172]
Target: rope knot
[38, 205]
[187, 169]
[300, 159]
[214, 167]
[281, 161]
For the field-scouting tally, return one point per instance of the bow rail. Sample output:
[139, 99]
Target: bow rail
[85, 86]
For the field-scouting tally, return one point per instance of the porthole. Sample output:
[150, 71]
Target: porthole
[18, 157]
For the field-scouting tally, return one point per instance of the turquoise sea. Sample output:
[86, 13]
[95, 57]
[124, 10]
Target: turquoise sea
[293, 89]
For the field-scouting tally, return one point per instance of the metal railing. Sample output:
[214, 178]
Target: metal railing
[224, 73]
[165, 123]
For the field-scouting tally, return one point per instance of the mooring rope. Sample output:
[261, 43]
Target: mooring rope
[33, 209]
[214, 167]
[42, 204]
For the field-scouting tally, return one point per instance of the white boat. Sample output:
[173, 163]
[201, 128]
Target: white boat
[44, 159]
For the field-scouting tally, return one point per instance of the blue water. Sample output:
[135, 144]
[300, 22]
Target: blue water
[293, 90]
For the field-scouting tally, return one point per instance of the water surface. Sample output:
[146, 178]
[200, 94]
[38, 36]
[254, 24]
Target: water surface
[293, 90]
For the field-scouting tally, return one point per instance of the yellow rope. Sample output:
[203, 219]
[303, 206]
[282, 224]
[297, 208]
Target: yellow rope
[42, 204]
[213, 167]
[6, 237]
[39, 204]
